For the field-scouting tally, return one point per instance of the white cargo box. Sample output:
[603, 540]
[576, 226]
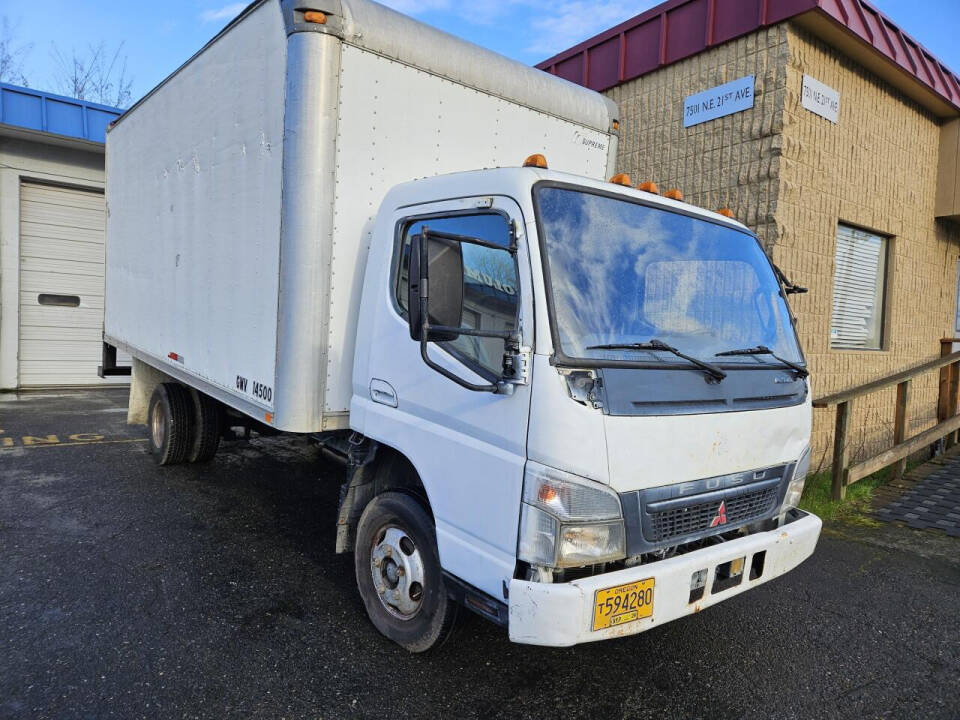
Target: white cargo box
[241, 192]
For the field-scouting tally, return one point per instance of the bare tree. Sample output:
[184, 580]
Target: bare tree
[12, 54]
[96, 75]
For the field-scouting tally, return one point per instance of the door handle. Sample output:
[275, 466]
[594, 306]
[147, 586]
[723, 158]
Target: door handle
[382, 392]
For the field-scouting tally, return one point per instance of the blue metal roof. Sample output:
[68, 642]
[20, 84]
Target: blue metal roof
[55, 114]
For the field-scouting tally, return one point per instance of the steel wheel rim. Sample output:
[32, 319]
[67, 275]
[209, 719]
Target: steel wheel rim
[396, 569]
[158, 428]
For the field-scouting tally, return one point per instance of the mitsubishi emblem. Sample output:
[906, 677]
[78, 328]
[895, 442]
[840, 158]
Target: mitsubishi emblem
[721, 516]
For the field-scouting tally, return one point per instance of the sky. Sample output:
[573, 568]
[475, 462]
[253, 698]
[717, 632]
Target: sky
[157, 37]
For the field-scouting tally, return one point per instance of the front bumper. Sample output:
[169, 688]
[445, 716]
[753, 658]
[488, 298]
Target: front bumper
[561, 614]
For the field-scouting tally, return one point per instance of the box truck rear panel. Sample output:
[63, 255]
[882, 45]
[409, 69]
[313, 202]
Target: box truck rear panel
[193, 192]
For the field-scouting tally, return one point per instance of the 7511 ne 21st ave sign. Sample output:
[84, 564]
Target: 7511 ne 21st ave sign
[726, 99]
[820, 99]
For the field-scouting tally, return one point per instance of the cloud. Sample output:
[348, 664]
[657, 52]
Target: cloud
[416, 7]
[227, 12]
[552, 25]
[560, 25]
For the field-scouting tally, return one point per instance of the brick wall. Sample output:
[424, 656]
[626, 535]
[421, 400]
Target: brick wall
[733, 161]
[877, 169]
[792, 176]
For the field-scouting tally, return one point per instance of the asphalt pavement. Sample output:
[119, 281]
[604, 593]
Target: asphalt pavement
[129, 590]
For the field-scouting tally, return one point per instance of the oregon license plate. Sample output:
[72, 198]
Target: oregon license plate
[622, 604]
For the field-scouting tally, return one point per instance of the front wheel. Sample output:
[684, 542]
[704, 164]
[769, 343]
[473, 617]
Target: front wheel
[398, 573]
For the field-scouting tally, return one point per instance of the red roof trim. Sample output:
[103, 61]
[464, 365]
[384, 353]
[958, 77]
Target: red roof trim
[677, 29]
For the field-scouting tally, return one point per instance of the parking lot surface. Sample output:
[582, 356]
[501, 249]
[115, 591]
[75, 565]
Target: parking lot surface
[129, 590]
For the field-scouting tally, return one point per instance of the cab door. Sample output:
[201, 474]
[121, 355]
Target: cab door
[469, 447]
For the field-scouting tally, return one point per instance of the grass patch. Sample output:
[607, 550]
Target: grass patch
[817, 499]
[817, 496]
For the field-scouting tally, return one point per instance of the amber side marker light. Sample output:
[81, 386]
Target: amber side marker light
[537, 161]
[616, 125]
[726, 212]
[673, 194]
[649, 186]
[621, 179]
[315, 16]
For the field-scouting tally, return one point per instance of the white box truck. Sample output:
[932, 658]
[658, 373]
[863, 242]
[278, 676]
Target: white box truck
[576, 407]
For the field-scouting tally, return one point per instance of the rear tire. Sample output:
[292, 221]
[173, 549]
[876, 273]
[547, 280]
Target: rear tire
[398, 573]
[170, 421]
[207, 427]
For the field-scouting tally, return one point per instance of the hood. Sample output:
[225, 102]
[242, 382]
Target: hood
[636, 452]
[651, 451]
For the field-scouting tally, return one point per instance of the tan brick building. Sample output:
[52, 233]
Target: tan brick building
[863, 207]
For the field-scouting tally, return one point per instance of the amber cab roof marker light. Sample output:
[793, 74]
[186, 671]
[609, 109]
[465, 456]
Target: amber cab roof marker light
[649, 186]
[315, 16]
[673, 194]
[726, 212]
[621, 179]
[536, 160]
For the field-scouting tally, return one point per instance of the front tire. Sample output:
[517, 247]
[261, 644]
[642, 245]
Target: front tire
[398, 573]
[170, 423]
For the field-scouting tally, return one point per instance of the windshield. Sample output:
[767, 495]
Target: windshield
[622, 273]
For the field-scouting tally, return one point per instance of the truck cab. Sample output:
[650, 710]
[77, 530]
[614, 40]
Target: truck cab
[600, 393]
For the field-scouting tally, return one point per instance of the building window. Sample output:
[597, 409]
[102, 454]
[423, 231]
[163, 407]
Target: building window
[859, 287]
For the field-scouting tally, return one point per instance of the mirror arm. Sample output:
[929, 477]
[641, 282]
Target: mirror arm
[493, 387]
[425, 328]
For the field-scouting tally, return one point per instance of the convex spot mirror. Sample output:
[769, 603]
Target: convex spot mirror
[444, 273]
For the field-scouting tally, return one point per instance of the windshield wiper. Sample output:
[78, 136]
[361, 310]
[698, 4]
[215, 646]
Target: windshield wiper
[801, 371]
[711, 370]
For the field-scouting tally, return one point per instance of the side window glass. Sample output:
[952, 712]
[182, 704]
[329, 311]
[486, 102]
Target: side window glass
[490, 287]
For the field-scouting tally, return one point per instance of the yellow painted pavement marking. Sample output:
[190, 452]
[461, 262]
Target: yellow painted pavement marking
[30, 441]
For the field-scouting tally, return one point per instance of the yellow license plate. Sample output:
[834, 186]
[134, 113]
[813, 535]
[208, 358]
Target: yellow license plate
[622, 604]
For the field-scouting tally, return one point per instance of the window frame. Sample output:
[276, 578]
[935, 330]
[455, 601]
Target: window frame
[398, 243]
[884, 283]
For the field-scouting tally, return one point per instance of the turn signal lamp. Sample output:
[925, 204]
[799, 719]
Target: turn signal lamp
[726, 212]
[616, 125]
[649, 186]
[315, 16]
[537, 161]
[621, 179]
[673, 194]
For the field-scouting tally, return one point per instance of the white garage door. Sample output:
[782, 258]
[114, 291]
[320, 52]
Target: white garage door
[61, 286]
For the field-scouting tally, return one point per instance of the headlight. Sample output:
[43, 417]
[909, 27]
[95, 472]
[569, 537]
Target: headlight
[568, 521]
[795, 488]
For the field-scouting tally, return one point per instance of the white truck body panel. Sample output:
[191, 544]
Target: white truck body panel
[242, 191]
[193, 212]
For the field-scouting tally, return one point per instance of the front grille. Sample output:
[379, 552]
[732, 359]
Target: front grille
[695, 518]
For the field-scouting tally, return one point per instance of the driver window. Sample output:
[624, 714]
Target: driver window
[490, 287]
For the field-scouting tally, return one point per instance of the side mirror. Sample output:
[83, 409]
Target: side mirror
[435, 301]
[440, 283]
[790, 288]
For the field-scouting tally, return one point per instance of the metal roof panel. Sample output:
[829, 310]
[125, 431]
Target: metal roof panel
[54, 114]
[677, 29]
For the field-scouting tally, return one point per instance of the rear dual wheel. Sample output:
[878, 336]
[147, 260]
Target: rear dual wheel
[184, 425]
